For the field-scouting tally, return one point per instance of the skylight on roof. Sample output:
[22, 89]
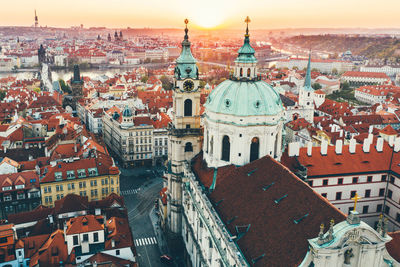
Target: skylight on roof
[280, 199]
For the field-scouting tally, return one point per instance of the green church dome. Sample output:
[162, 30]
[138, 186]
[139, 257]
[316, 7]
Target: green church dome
[244, 98]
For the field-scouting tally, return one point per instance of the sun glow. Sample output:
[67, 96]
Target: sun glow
[210, 13]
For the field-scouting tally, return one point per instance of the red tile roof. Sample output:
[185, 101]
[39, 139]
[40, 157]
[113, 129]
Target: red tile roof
[83, 224]
[393, 247]
[273, 231]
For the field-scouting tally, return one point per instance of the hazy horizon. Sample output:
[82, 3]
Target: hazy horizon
[286, 14]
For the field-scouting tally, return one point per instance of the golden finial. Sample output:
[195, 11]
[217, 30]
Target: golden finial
[186, 21]
[355, 198]
[247, 21]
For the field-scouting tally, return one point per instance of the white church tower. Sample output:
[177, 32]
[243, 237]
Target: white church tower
[306, 96]
[243, 117]
[184, 131]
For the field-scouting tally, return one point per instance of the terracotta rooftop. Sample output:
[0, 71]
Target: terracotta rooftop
[280, 218]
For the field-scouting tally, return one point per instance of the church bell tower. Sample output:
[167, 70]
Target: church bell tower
[184, 130]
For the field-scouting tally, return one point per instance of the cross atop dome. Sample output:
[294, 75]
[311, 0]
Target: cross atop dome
[186, 21]
[247, 21]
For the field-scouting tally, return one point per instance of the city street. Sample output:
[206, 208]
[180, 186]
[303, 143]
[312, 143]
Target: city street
[140, 188]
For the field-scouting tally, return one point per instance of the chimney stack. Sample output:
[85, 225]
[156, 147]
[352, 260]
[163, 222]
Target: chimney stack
[379, 144]
[309, 148]
[324, 147]
[397, 144]
[391, 140]
[370, 138]
[366, 145]
[294, 149]
[339, 146]
[352, 146]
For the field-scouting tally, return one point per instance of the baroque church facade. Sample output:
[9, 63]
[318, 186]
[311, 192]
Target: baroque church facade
[229, 200]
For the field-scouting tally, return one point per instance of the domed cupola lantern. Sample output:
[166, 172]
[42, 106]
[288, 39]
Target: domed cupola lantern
[127, 117]
[243, 117]
[246, 63]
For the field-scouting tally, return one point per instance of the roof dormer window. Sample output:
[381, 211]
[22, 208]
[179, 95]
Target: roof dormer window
[81, 173]
[70, 174]
[93, 171]
[58, 176]
[6, 188]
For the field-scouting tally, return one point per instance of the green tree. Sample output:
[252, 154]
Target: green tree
[64, 87]
[345, 86]
[166, 82]
[2, 95]
[316, 86]
[144, 79]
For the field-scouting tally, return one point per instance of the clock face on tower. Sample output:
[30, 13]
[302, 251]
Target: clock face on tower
[188, 85]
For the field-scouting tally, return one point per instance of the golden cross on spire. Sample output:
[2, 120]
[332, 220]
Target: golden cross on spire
[247, 21]
[355, 198]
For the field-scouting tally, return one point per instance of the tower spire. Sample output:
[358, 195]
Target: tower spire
[186, 29]
[307, 81]
[186, 63]
[247, 21]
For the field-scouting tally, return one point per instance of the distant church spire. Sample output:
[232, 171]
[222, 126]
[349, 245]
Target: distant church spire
[36, 20]
[307, 81]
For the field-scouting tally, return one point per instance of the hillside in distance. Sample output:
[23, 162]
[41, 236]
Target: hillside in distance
[371, 47]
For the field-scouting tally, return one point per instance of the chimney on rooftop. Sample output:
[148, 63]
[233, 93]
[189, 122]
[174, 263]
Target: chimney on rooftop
[379, 144]
[391, 140]
[366, 145]
[309, 148]
[370, 138]
[294, 148]
[339, 146]
[324, 147]
[397, 144]
[352, 146]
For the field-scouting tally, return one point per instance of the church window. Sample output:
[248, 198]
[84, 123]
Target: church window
[241, 72]
[379, 208]
[226, 148]
[390, 193]
[308, 94]
[381, 192]
[207, 143]
[188, 147]
[254, 149]
[188, 108]
[365, 209]
[387, 210]
[211, 145]
[248, 72]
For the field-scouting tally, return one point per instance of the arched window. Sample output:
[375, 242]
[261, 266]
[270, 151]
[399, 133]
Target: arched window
[188, 108]
[254, 149]
[241, 72]
[188, 147]
[211, 145]
[207, 144]
[248, 72]
[226, 148]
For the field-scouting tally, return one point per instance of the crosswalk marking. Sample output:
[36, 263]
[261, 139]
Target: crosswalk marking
[145, 241]
[130, 192]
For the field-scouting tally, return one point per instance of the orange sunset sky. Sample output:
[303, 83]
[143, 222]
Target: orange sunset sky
[264, 14]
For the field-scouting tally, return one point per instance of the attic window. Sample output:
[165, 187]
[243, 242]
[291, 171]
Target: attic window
[268, 186]
[280, 199]
[81, 173]
[92, 171]
[251, 172]
[227, 103]
[70, 174]
[309, 165]
[337, 163]
[365, 161]
[297, 221]
[58, 176]
[257, 104]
